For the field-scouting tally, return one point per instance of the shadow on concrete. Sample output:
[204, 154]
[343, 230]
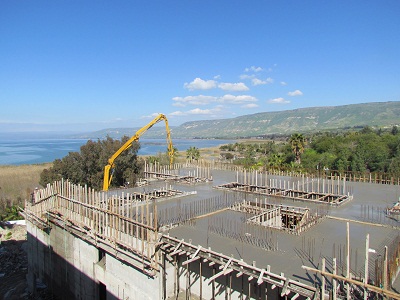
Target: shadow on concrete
[47, 269]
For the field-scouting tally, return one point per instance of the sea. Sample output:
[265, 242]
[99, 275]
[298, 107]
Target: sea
[36, 151]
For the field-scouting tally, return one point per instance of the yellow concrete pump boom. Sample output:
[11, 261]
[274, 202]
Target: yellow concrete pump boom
[128, 144]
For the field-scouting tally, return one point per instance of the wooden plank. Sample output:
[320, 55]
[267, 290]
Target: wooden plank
[190, 260]
[177, 248]
[260, 278]
[223, 272]
[370, 287]
[284, 288]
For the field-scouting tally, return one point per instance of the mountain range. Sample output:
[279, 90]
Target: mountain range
[302, 120]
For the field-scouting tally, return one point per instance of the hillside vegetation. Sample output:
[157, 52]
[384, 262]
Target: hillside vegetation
[378, 114]
[365, 151]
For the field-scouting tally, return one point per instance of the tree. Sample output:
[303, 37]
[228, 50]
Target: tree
[297, 143]
[357, 163]
[395, 130]
[373, 151]
[175, 155]
[366, 130]
[275, 161]
[249, 160]
[87, 166]
[153, 159]
[193, 153]
[394, 166]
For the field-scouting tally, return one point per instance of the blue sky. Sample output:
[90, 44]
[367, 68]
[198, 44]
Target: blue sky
[88, 65]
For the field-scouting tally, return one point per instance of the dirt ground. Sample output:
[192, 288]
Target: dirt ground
[14, 264]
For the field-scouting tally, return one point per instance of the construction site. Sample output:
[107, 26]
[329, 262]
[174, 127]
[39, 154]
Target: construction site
[203, 230]
[199, 232]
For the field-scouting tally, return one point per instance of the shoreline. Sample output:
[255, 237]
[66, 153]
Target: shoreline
[36, 152]
[18, 181]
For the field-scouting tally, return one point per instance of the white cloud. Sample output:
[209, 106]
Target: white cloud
[204, 100]
[283, 83]
[237, 99]
[193, 100]
[200, 84]
[216, 77]
[278, 101]
[256, 81]
[197, 111]
[178, 104]
[295, 93]
[245, 76]
[177, 113]
[152, 116]
[250, 105]
[240, 86]
[253, 69]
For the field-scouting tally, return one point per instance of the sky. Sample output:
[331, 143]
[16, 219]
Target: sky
[89, 65]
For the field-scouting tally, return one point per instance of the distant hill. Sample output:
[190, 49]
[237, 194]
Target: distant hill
[377, 114]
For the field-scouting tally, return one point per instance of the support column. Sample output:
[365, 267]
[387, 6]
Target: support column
[348, 296]
[334, 284]
[366, 266]
[323, 280]
[201, 280]
[385, 269]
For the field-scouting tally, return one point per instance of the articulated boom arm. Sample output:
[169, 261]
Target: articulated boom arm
[128, 144]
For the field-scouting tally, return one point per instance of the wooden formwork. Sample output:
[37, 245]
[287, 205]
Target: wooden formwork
[295, 194]
[109, 221]
[194, 173]
[223, 266]
[288, 218]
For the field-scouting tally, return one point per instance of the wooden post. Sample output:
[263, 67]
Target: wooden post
[201, 281]
[323, 280]
[187, 283]
[348, 259]
[334, 285]
[385, 269]
[213, 284]
[379, 290]
[164, 277]
[366, 265]
[176, 289]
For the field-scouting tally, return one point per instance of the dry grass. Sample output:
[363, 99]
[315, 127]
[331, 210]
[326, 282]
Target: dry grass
[210, 153]
[17, 182]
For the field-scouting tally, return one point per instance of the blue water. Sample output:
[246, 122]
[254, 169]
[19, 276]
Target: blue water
[35, 151]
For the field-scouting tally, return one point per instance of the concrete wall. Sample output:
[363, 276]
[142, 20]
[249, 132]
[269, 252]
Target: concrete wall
[72, 268]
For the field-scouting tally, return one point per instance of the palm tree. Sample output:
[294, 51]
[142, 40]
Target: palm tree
[175, 154]
[193, 153]
[275, 161]
[297, 142]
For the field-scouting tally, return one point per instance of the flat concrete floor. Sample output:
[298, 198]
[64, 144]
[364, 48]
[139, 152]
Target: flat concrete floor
[326, 239]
